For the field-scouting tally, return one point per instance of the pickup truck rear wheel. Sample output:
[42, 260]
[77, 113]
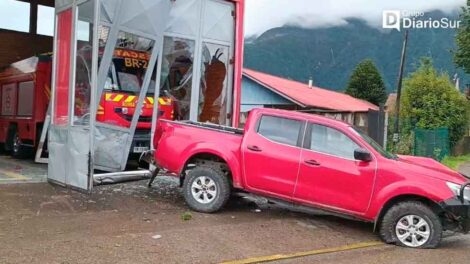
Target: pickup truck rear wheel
[411, 224]
[206, 188]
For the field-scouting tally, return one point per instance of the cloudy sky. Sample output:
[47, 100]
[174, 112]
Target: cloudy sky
[262, 15]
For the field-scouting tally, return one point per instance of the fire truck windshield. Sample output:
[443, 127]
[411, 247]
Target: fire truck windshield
[127, 75]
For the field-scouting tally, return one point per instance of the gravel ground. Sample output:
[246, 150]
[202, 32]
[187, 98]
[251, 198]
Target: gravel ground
[41, 223]
[129, 223]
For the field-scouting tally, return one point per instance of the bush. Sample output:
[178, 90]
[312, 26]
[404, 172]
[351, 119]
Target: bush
[431, 101]
[405, 145]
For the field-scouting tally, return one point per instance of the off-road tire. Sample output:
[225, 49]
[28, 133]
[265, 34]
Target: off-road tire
[213, 171]
[395, 213]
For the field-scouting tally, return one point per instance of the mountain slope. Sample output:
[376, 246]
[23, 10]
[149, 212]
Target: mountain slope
[329, 55]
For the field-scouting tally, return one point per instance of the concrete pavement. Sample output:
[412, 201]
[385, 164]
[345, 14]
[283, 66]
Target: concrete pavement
[21, 171]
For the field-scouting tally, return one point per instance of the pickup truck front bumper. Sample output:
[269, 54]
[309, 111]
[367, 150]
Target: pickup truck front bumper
[457, 211]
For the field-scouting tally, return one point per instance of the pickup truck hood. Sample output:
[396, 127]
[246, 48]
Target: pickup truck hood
[432, 168]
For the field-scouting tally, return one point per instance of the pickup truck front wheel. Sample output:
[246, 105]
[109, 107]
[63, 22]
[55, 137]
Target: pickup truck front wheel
[411, 224]
[206, 189]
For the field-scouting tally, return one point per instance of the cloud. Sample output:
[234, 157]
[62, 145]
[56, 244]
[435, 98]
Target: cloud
[262, 15]
[14, 15]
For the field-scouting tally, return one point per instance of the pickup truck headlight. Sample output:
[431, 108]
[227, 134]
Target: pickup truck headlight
[455, 188]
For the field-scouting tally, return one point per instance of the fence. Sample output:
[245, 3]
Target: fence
[376, 126]
[433, 143]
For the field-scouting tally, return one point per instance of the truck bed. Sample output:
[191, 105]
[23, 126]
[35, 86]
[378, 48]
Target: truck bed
[176, 142]
[210, 126]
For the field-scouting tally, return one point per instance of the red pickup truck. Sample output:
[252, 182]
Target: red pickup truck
[308, 162]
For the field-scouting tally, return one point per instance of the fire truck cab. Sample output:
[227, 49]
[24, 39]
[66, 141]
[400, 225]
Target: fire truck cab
[121, 91]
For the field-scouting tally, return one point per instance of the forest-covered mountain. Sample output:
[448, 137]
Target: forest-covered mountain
[328, 55]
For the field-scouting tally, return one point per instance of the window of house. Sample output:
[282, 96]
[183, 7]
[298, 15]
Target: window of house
[45, 24]
[281, 130]
[14, 15]
[333, 142]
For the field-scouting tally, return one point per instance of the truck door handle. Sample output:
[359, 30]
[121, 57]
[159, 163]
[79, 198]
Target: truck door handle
[254, 148]
[312, 163]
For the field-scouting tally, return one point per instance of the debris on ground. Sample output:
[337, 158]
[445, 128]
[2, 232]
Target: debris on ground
[186, 216]
[156, 236]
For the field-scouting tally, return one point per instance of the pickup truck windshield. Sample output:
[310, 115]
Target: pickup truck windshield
[375, 145]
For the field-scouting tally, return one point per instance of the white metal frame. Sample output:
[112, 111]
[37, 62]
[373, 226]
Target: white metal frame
[100, 71]
[115, 29]
[199, 40]
[87, 161]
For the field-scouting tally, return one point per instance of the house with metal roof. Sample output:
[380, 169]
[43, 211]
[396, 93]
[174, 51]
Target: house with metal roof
[261, 90]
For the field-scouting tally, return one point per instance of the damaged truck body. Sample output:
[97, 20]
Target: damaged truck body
[315, 164]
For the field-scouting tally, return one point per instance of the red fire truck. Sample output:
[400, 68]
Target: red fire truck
[25, 90]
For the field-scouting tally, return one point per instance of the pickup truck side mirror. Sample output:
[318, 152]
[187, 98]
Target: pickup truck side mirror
[362, 155]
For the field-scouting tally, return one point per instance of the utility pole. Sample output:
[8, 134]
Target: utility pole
[396, 135]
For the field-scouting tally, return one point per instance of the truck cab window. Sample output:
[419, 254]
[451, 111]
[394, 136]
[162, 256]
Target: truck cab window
[130, 82]
[332, 142]
[281, 130]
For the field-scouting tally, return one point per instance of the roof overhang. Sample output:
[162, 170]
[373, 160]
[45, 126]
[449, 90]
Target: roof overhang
[274, 90]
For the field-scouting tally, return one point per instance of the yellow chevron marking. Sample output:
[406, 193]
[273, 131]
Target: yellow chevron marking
[130, 99]
[118, 98]
[164, 101]
[109, 97]
[150, 99]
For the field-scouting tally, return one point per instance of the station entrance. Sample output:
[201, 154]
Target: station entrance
[121, 65]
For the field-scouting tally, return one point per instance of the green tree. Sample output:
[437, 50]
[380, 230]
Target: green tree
[366, 83]
[462, 54]
[431, 101]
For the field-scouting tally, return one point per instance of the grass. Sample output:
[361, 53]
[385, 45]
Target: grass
[455, 162]
[186, 216]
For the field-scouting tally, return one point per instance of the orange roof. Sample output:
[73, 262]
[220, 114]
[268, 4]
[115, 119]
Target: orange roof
[312, 97]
